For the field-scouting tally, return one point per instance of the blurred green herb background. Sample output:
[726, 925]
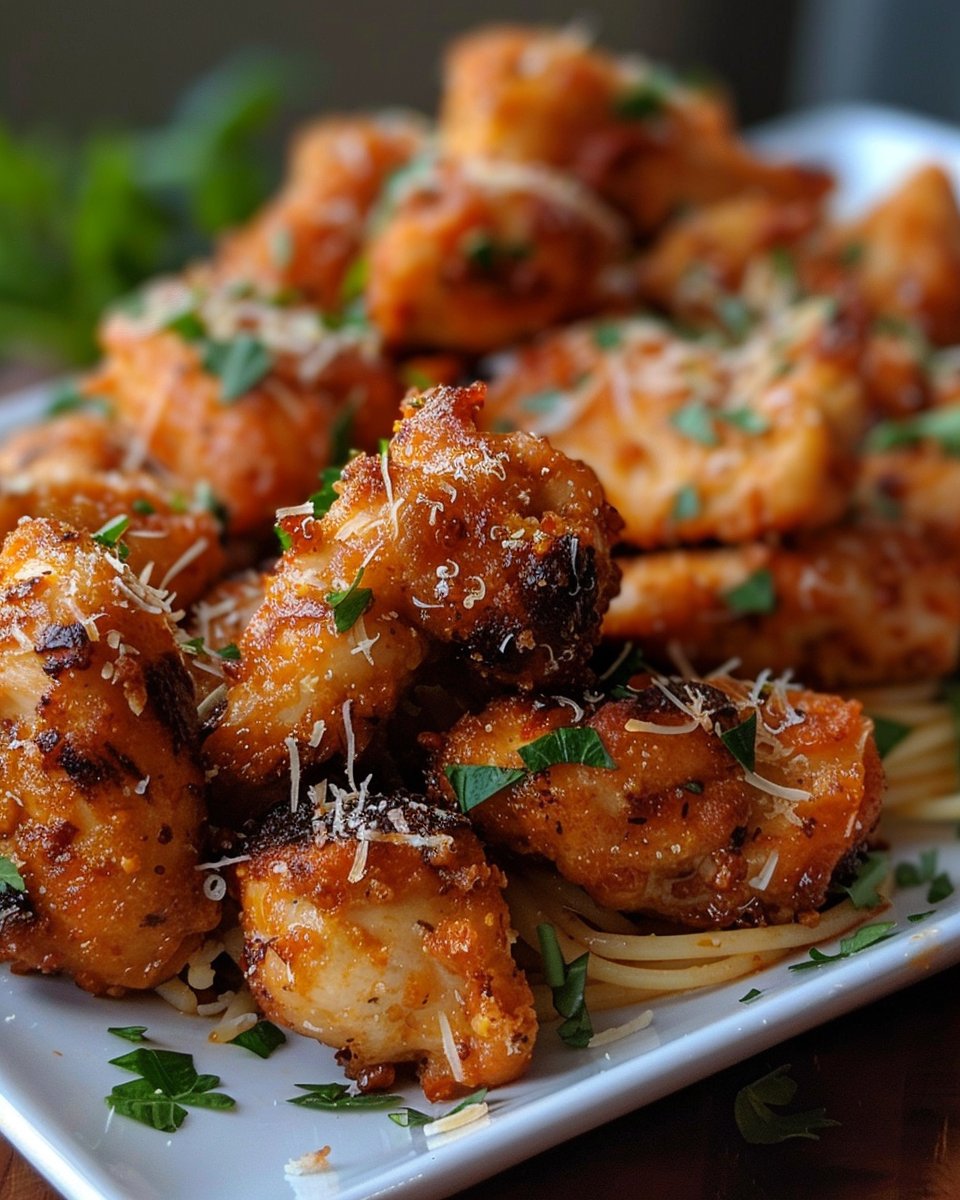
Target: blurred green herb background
[84, 221]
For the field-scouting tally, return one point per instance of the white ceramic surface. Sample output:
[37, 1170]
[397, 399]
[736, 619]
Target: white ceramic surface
[54, 1045]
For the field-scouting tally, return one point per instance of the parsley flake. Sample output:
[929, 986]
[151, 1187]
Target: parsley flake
[567, 982]
[686, 503]
[412, 1117]
[261, 1039]
[912, 875]
[229, 653]
[143, 508]
[474, 784]
[10, 877]
[862, 939]
[756, 594]
[863, 891]
[110, 533]
[607, 336]
[355, 280]
[130, 1033]
[761, 1126]
[323, 499]
[69, 399]
[542, 402]
[240, 364]
[568, 744]
[349, 606]
[696, 421]
[752, 995]
[335, 1097]
[888, 733]
[741, 741]
[168, 1081]
[642, 102]
[915, 917]
[748, 420]
[187, 325]
[284, 538]
[941, 425]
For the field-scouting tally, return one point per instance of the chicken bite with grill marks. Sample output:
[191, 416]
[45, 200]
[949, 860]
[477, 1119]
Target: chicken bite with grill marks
[242, 394]
[692, 441]
[647, 142]
[477, 254]
[680, 827]
[102, 810]
[375, 925]
[495, 545]
[309, 236]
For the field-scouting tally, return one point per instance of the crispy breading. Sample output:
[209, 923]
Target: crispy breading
[102, 807]
[492, 544]
[849, 605]
[308, 238]
[77, 441]
[479, 253]
[643, 139]
[678, 828]
[692, 440]
[382, 932]
[219, 619]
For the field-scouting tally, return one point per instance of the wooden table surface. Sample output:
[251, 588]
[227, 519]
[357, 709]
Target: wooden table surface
[890, 1073]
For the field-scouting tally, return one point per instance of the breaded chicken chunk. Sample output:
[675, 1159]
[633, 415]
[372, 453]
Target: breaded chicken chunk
[493, 544]
[628, 128]
[695, 441]
[376, 926]
[677, 825]
[845, 606]
[307, 239]
[214, 627]
[476, 254]
[241, 394]
[102, 804]
[81, 441]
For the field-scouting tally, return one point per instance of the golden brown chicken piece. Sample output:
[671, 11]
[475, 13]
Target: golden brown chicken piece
[215, 626]
[477, 254]
[646, 142]
[709, 255]
[679, 827]
[379, 929]
[307, 239]
[102, 803]
[694, 441]
[174, 547]
[493, 544]
[241, 394]
[76, 442]
[845, 606]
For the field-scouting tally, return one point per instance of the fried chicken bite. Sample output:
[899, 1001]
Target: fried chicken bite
[679, 827]
[376, 926]
[215, 625]
[241, 394]
[691, 440]
[102, 810]
[647, 142]
[307, 239]
[78, 442]
[494, 545]
[476, 254]
[855, 604]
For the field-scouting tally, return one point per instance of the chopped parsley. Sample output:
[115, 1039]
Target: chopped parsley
[915, 917]
[474, 784]
[542, 402]
[888, 733]
[756, 594]
[168, 1081]
[488, 255]
[284, 538]
[913, 875]
[753, 994]
[941, 425]
[187, 325]
[109, 535]
[323, 499]
[568, 744]
[741, 741]
[686, 503]
[567, 982]
[261, 1039]
[407, 1117]
[696, 421]
[143, 508]
[349, 606]
[747, 420]
[642, 102]
[759, 1125]
[10, 877]
[355, 280]
[863, 891]
[239, 364]
[335, 1097]
[607, 336]
[129, 1033]
[862, 939]
[69, 399]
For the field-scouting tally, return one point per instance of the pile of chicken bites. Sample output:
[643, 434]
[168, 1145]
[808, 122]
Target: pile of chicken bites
[714, 425]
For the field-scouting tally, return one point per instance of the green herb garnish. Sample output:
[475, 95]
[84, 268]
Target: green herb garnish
[567, 982]
[69, 399]
[143, 508]
[567, 744]
[355, 280]
[915, 917]
[735, 316]
[187, 325]
[865, 936]
[752, 995]
[912, 875]
[941, 425]
[542, 402]
[696, 421]
[863, 891]
[323, 499]
[741, 741]
[642, 102]
[168, 1081]
[888, 733]
[474, 784]
[747, 420]
[686, 503]
[607, 336]
[284, 538]
[757, 594]
[229, 653]
[412, 1117]
[761, 1126]
[261, 1039]
[349, 606]
[336, 1097]
[239, 364]
[110, 533]
[10, 877]
[129, 1033]
[488, 255]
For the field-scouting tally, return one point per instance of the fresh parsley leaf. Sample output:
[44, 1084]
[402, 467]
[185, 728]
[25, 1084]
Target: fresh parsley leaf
[140, 1100]
[110, 533]
[567, 982]
[10, 877]
[686, 503]
[863, 891]
[411, 1117]
[168, 1082]
[940, 425]
[349, 606]
[761, 1126]
[488, 255]
[542, 402]
[642, 102]
[746, 419]
[143, 508]
[607, 336]
[335, 1097]
[752, 995]
[696, 421]
[262, 1039]
[741, 741]
[568, 744]
[284, 538]
[323, 499]
[229, 653]
[865, 936]
[940, 888]
[693, 785]
[888, 733]
[130, 1033]
[240, 364]
[757, 594]
[187, 325]
[195, 646]
[474, 784]
[355, 280]
[915, 917]
[913, 874]
[69, 399]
